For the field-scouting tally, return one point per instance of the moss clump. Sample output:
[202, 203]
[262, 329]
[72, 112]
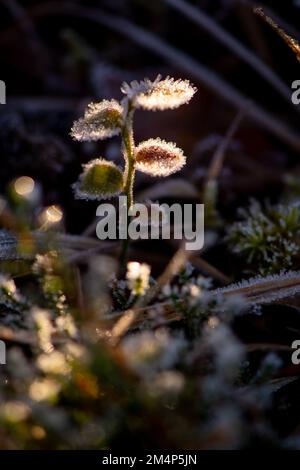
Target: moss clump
[267, 237]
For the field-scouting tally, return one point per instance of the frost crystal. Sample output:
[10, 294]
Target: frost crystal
[100, 121]
[100, 180]
[159, 94]
[157, 157]
[265, 289]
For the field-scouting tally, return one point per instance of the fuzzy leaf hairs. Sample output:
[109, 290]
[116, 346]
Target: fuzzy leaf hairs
[100, 180]
[159, 94]
[157, 157]
[101, 121]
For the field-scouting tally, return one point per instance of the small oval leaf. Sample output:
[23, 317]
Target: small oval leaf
[157, 157]
[100, 180]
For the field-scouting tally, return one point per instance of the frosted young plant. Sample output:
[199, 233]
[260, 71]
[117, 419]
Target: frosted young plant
[101, 179]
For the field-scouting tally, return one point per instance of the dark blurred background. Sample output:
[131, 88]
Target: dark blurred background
[56, 56]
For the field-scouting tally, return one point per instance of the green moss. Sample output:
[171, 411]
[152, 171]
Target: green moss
[267, 238]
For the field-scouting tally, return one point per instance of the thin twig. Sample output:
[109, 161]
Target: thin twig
[291, 42]
[291, 30]
[226, 39]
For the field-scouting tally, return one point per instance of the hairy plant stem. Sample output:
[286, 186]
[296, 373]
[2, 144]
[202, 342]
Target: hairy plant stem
[128, 148]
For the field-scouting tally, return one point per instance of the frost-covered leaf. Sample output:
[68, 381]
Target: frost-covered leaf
[159, 94]
[100, 180]
[157, 157]
[100, 121]
[8, 246]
